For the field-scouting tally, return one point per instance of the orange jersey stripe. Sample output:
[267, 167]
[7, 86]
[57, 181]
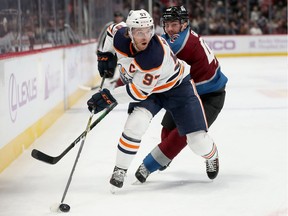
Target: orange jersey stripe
[122, 53]
[127, 144]
[137, 92]
[171, 83]
[125, 54]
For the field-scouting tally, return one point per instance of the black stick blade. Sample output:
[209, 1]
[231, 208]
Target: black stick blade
[43, 157]
[53, 160]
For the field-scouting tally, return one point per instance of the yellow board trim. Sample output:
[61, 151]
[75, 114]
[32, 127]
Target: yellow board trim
[15, 147]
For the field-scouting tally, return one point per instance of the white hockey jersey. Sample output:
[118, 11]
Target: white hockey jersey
[154, 70]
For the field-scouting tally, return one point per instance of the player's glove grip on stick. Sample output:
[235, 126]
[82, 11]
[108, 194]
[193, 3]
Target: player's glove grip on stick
[107, 62]
[100, 101]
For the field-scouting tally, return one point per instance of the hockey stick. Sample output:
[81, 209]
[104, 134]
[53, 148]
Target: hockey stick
[53, 160]
[64, 207]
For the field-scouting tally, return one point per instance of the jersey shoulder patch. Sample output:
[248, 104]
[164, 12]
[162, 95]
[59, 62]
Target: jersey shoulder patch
[152, 57]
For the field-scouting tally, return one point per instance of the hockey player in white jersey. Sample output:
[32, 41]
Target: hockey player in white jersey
[154, 79]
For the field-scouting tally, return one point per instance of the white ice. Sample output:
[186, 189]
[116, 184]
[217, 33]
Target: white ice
[251, 134]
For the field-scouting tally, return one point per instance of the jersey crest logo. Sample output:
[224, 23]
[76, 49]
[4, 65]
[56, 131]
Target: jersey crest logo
[174, 37]
[124, 75]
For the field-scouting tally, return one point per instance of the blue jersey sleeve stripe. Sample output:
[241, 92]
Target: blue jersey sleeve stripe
[126, 151]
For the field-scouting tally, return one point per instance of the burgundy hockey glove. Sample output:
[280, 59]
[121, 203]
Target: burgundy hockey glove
[106, 63]
[100, 101]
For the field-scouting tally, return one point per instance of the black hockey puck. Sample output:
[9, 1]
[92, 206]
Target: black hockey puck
[64, 207]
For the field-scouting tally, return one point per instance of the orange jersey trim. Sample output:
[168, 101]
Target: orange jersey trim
[128, 145]
[122, 53]
[137, 92]
[171, 83]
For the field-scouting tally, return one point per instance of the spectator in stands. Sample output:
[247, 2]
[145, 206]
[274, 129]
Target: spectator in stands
[281, 27]
[66, 35]
[233, 28]
[3, 27]
[118, 17]
[255, 29]
[156, 17]
[263, 24]
[51, 31]
[219, 10]
[255, 13]
[244, 27]
[6, 37]
[222, 27]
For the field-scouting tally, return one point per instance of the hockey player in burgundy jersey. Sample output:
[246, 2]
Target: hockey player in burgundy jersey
[210, 83]
[154, 78]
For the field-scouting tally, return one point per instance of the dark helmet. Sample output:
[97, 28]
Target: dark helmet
[118, 14]
[175, 13]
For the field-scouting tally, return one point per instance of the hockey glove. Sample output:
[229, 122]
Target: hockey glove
[100, 101]
[106, 63]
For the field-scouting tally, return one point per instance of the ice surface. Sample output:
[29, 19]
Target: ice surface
[251, 134]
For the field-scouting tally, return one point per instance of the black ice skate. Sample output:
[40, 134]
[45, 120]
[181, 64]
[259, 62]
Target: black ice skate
[212, 168]
[142, 173]
[117, 178]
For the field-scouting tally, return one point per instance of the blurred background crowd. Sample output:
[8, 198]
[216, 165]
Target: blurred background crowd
[36, 24]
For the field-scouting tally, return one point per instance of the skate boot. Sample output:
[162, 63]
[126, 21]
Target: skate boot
[117, 177]
[212, 168]
[142, 173]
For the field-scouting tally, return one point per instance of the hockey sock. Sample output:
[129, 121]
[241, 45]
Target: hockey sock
[127, 149]
[172, 144]
[150, 163]
[212, 154]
